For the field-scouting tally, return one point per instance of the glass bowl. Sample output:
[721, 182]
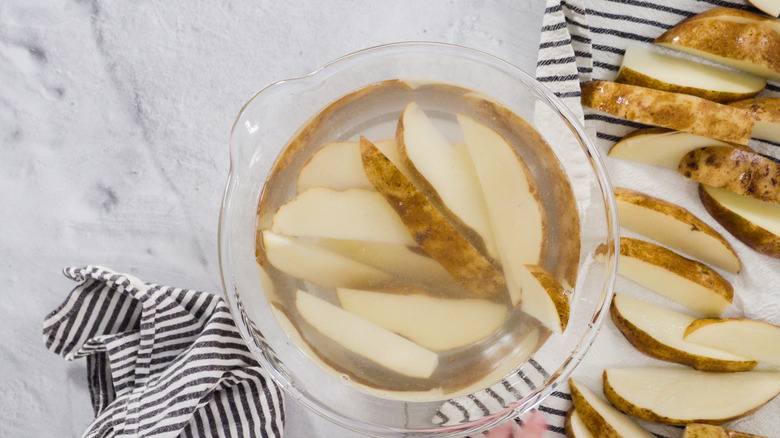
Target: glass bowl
[268, 122]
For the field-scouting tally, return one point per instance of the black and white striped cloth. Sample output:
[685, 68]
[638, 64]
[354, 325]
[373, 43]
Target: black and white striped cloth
[162, 361]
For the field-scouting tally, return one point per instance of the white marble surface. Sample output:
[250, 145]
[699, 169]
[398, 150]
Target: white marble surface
[114, 122]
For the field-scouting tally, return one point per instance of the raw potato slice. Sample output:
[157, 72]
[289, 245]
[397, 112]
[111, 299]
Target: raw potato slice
[748, 45]
[543, 297]
[319, 266]
[600, 418]
[741, 172]
[434, 233]
[738, 16]
[354, 214]
[698, 430]
[658, 332]
[767, 114]
[771, 7]
[516, 215]
[669, 110]
[755, 339]
[680, 396]
[647, 68]
[659, 146]
[395, 259]
[436, 168]
[674, 227]
[673, 276]
[434, 323]
[755, 223]
[574, 426]
[337, 166]
[366, 339]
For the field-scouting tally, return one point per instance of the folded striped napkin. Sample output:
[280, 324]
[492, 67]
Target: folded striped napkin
[161, 361]
[584, 40]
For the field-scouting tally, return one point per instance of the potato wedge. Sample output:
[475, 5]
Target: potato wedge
[681, 396]
[430, 229]
[675, 227]
[658, 332]
[755, 223]
[698, 430]
[736, 39]
[660, 146]
[741, 172]
[685, 281]
[681, 112]
[601, 419]
[646, 68]
[754, 339]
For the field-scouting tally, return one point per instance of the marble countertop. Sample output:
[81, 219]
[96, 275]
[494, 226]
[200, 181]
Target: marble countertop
[114, 120]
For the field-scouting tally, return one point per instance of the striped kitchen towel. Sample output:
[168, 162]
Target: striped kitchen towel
[162, 361]
[584, 40]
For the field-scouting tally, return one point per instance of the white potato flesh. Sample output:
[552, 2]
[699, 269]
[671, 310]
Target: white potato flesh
[664, 149]
[754, 339]
[763, 214]
[434, 323]
[338, 166]
[578, 429]
[317, 265]
[685, 73]
[678, 235]
[771, 7]
[745, 66]
[667, 327]
[683, 394]
[366, 339]
[537, 301]
[354, 214]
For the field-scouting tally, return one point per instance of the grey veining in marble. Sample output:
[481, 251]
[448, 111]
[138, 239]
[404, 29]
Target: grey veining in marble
[114, 122]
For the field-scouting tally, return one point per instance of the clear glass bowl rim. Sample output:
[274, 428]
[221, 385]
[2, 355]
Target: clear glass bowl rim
[613, 237]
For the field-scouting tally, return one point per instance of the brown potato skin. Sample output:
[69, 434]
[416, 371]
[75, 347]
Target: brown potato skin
[676, 111]
[741, 172]
[698, 430]
[672, 210]
[749, 42]
[595, 423]
[649, 346]
[430, 228]
[633, 77]
[750, 234]
[765, 109]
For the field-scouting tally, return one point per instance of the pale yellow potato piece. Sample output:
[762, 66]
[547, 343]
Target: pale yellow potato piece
[658, 332]
[543, 297]
[754, 339]
[675, 227]
[741, 172]
[430, 228]
[319, 266]
[771, 7]
[365, 339]
[660, 146]
[434, 323]
[755, 223]
[600, 418]
[574, 426]
[354, 214]
[681, 112]
[681, 396]
[646, 68]
[338, 166]
[673, 276]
